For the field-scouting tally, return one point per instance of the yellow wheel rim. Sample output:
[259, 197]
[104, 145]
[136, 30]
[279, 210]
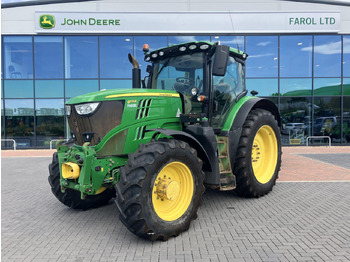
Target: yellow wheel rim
[172, 191]
[264, 154]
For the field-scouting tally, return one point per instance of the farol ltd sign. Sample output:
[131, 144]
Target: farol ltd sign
[187, 22]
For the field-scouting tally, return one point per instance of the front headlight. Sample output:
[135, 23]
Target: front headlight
[68, 110]
[85, 109]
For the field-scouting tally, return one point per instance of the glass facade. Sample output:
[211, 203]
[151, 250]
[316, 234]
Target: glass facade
[306, 76]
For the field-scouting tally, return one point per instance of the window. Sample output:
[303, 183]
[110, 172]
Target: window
[296, 56]
[264, 87]
[296, 86]
[18, 89]
[346, 86]
[263, 56]
[49, 120]
[18, 57]
[346, 120]
[115, 84]
[114, 62]
[327, 117]
[327, 86]
[19, 121]
[226, 90]
[81, 57]
[48, 57]
[346, 56]
[327, 56]
[232, 41]
[80, 87]
[296, 119]
[48, 88]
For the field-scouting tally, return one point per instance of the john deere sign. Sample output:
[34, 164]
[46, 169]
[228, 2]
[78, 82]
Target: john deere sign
[47, 21]
[188, 22]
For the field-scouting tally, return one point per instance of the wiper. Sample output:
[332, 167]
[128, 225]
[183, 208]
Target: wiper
[163, 66]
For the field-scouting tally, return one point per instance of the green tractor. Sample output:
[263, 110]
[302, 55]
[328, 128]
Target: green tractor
[155, 148]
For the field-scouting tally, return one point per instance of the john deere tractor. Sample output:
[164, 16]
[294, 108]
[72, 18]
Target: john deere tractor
[154, 147]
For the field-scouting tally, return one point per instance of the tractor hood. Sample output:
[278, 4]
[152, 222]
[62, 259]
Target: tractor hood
[120, 94]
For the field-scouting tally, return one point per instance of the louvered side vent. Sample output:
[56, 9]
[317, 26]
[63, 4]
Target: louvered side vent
[140, 132]
[143, 108]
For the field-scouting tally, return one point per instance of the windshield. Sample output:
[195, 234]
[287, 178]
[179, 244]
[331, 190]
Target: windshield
[180, 73]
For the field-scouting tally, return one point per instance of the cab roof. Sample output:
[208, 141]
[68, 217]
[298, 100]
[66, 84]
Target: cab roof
[188, 48]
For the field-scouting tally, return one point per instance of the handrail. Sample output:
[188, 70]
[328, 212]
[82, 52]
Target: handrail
[10, 140]
[66, 139]
[318, 137]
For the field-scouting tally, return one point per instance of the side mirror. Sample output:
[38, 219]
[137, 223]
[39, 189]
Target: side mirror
[221, 58]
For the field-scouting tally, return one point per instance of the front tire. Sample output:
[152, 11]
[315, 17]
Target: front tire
[70, 197]
[160, 189]
[258, 159]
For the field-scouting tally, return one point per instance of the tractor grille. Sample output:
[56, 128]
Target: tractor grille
[93, 127]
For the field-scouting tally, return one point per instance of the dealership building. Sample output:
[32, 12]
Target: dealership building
[299, 57]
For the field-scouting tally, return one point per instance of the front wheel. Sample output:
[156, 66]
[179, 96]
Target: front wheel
[258, 158]
[70, 197]
[160, 189]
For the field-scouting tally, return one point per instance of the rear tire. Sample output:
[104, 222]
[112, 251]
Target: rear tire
[258, 158]
[70, 197]
[160, 189]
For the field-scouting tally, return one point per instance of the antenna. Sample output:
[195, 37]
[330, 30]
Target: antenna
[233, 29]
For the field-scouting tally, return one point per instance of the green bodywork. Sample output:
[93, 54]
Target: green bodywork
[100, 164]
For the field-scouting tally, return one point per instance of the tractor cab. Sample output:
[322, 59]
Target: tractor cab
[209, 78]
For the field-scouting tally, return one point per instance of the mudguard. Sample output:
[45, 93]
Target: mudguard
[208, 155]
[236, 128]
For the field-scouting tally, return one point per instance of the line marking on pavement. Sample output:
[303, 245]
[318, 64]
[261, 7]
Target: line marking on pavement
[22, 156]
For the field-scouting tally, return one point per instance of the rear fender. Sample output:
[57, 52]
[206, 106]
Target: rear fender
[237, 125]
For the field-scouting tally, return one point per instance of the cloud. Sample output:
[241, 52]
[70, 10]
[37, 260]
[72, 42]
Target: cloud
[262, 55]
[326, 49]
[263, 43]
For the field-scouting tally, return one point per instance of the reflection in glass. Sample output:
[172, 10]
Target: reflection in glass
[154, 42]
[48, 88]
[346, 55]
[48, 56]
[265, 87]
[49, 120]
[296, 56]
[263, 56]
[19, 121]
[18, 88]
[232, 41]
[346, 86]
[80, 87]
[346, 119]
[174, 40]
[81, 57]
[327, 56]
[18, 57]
[296, 119]
[327, 117]
[296, 87]
[115, 84]
[327, 86]
[114, 62]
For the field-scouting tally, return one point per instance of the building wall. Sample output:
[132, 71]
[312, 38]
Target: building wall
[20, 20]
[306, 75]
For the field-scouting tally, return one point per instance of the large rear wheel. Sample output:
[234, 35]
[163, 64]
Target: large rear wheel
[258, 159]
[160, 189]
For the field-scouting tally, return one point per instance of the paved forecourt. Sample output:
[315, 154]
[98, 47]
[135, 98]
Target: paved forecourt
[297, 221]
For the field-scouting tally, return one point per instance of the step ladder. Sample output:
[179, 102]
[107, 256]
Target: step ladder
[227, 178]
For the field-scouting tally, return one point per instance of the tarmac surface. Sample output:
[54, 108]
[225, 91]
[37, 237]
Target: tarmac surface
[305, 218]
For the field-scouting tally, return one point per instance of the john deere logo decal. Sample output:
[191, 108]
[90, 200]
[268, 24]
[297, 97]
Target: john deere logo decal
[47, 21]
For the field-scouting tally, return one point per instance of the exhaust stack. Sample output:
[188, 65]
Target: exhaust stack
[136, 72]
